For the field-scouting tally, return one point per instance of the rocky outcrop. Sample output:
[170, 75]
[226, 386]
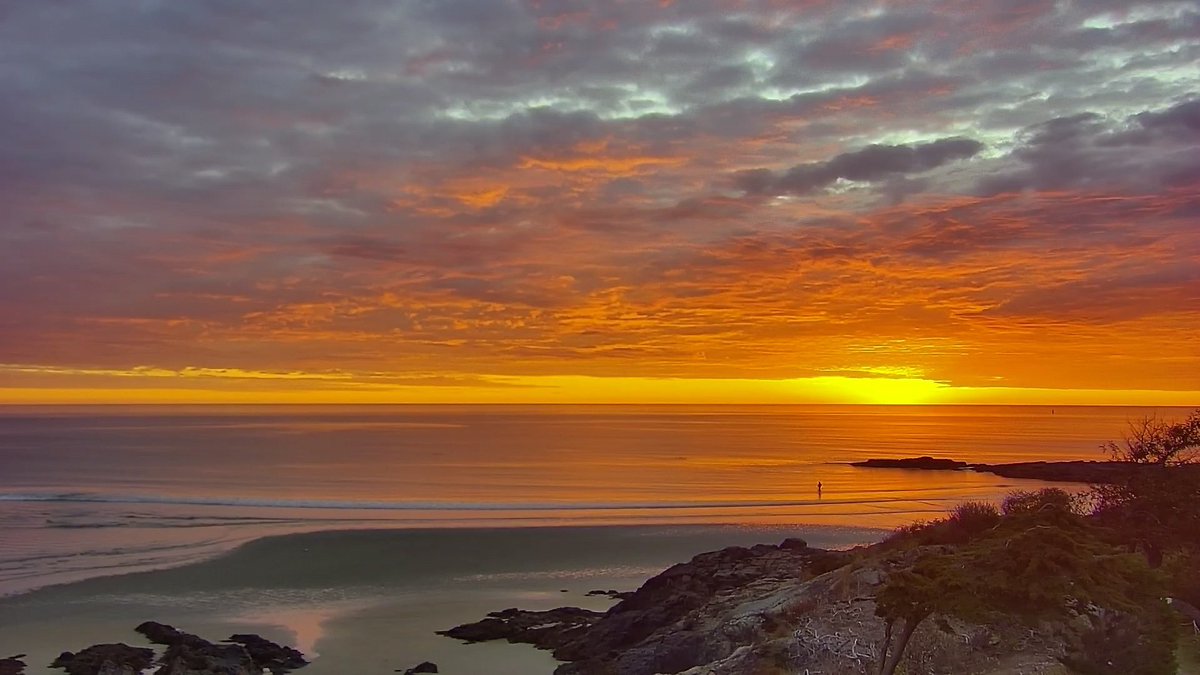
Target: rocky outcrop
[106, 659]
[691, 615]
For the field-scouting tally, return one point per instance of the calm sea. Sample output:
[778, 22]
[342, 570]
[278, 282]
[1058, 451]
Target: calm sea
[93, 491]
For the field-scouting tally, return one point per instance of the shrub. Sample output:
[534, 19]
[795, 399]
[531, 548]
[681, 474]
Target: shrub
[1025, 501]
[974, 518]
[966, 522]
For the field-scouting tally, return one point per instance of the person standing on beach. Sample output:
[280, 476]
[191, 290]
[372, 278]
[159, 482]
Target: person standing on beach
[818, 489]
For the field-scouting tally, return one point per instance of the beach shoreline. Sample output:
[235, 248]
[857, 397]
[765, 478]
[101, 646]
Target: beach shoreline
[335, 591]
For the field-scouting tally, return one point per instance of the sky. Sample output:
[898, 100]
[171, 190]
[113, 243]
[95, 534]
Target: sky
[897, 201]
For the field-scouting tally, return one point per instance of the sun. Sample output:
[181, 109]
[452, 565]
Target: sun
[885, 390]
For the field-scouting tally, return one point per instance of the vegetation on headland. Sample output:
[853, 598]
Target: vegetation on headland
[1098, 566]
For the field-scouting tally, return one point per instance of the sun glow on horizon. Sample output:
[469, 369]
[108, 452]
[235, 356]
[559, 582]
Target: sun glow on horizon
[144, 385]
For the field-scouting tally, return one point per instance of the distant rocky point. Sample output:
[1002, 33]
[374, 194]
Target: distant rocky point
[1070, 472]
[922, 463]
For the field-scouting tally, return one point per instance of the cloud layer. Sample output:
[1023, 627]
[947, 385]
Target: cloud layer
[981, 193]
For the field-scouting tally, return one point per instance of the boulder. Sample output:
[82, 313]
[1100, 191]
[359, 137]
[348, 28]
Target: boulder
[106, 659]
[794, 544]
[164, 634]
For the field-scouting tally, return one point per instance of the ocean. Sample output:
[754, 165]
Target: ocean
[416, 517]
[87, 491]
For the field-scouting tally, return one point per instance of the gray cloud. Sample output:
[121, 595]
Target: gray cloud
[1150, 150]
[871, 164]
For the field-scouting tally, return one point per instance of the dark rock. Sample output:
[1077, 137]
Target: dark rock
[616, 595]
[206, 658]
[921, 463]
[12, 665]
[266, 654]
[546, 629]
[106, 659]
[423, 667]
[163, 634]
[794, 544]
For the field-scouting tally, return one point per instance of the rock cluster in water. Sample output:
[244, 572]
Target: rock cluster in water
[185, 654]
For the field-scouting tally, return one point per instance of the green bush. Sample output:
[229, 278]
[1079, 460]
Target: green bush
[1025, 501]
[972, 518]
[965, 523]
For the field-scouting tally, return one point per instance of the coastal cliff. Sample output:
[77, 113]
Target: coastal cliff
[764, 609]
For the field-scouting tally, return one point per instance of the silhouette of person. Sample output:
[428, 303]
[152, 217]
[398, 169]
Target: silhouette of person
[818, 489]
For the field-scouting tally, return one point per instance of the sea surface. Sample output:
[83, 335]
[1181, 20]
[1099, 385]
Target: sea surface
[89, 491]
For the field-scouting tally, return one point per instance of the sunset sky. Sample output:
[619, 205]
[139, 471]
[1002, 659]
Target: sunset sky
[898, 201]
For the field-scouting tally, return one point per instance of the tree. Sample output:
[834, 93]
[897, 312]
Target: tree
[1156, 442]
[1034, 565]
[1156, 505]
